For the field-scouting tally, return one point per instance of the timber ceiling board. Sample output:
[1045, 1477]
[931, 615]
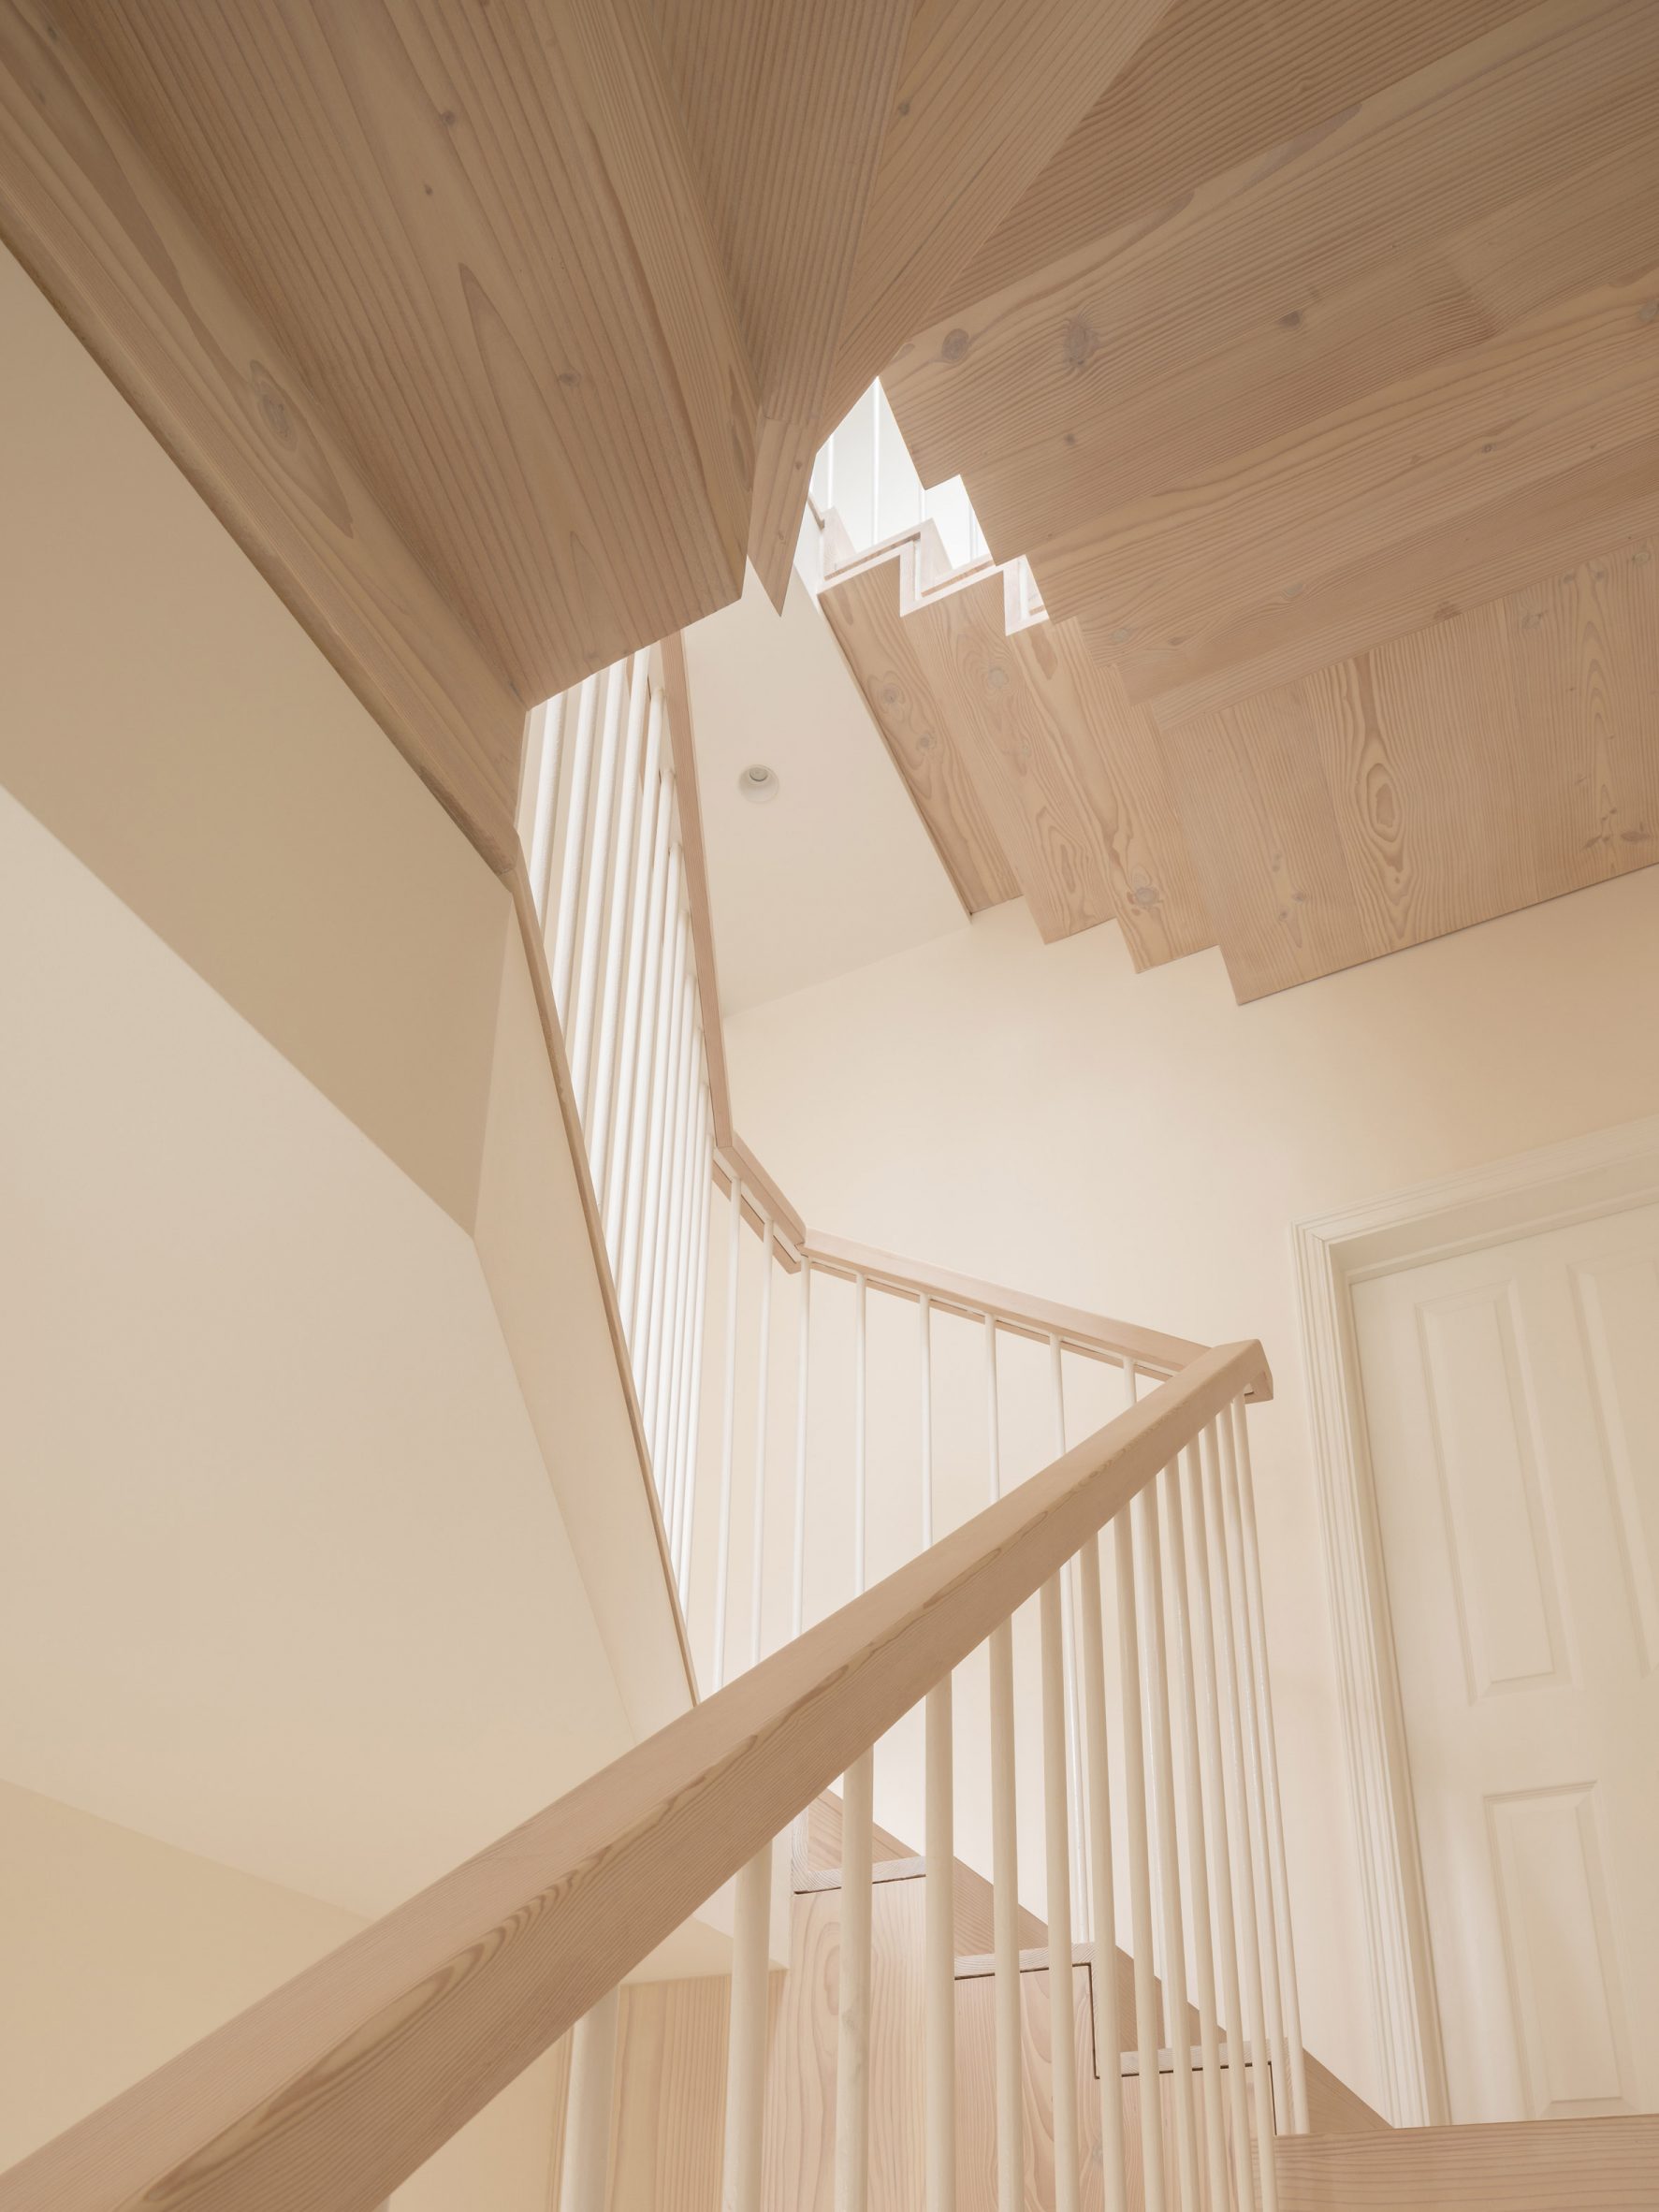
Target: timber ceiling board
[477, 235]
[785, 108]
[97, 227]
[1396, 234]
[1604, 504]
[1505, 755]
[1290, 426]
[988, 92]
[1032, 770]
[1180, 574]
[1215, 81]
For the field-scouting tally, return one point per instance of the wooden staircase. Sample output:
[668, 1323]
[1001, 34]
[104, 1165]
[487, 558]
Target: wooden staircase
[1034, 773]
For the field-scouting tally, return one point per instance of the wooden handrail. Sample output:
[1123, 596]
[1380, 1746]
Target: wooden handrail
[335, 2089]
[1016, 1311]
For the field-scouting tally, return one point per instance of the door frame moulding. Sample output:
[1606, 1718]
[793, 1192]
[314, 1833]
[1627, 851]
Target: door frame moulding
[1525, 1194]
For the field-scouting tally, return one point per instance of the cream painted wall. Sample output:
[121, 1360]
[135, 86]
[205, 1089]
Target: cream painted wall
[117, 1952]
[314, 1448]
[166, 717]
[1141, 1145]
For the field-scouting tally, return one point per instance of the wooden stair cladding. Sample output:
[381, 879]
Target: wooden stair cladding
[1030, 767]
[1317, 379]
[1554, 2166]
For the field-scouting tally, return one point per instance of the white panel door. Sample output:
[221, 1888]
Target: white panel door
[1513, 1402]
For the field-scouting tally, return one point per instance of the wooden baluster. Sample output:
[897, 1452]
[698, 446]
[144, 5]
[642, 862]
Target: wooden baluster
[940, 1959]
[1185, 1701]
[993, 1418]
[1214, 1800]
[1056, 1836]
[1005, 1927]
[596, 892]
[654, 1258]
[1149, 2085]
[1005, 1867]
[1176, 2024]
[1103, 1980]
[722, 1571]
[548, 763]
[802, 1377]
[1239, 1826]
[629, 810]
[631, 1200]
[1079, 1854]
[746, 2042]
[574, 852]
[763, 1381]
[584, 2180]
[691, 1397]
[687, 1194]
[853, 2048]
[665, 1313]
[1256, 1782]
[861, 1438]
[653, 841]
[1274, 1812]
[925, 1310]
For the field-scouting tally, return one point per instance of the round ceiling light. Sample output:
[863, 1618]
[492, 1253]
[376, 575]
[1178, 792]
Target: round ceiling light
[759, 782]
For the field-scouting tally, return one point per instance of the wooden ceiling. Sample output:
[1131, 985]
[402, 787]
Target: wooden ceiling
[1309, 348]
[498, 334]
[1317, 376]
[1035, 773]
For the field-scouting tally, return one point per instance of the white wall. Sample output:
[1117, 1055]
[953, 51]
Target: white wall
[117, 1952]
[1140, 1146]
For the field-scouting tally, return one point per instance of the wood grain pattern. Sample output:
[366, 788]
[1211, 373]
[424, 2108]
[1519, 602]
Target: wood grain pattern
[1023, 737]
[334, 2089]
[1501, 756]
[1603, 506]
[972, 1904]
[1071, 775]
[676, 708]
[1213, 84]
[1273, 294]
[976, 2103]
[1335, 2109]
[1565, 2165]
[96, 225]
[877, 642]
[799, 2172]
[478, 236]
[1198, 559]
[785, 109]
[985, 94]
[818, 1843]
[668, 2110]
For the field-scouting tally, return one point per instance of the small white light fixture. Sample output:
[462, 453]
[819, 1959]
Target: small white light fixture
[759, 782]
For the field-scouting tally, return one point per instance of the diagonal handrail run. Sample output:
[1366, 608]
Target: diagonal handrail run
[330, 2091]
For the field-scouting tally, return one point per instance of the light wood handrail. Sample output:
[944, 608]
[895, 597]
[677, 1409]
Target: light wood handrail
[1015, 1311]
[332, 2090]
